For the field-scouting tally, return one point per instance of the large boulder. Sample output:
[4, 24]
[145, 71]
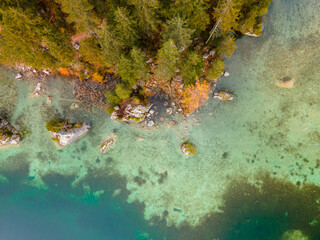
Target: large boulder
[8, 134]
[66, 137]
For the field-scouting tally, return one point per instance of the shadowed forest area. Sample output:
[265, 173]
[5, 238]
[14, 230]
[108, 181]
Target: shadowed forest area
[172, 47]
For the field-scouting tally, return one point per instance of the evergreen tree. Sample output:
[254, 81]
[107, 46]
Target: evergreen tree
[250, 20]
[125, 27]
[216, 69]
[112, 98]
[111, 46]
[145, 12]
[191, 67]
[195, 12]
[227, 13]
[122, 91]
[168, 57]
[177, 30]
[26, 38]
[91, 52]
[133, 67]
[79, 12]
[227, 47]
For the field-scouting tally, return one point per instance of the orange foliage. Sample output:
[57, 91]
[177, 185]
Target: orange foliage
[195, 95]
[64, 71]
[97, 77]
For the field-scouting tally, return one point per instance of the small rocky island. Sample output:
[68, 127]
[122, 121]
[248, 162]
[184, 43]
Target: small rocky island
[8, 134]
[188, 148]
[64, 133]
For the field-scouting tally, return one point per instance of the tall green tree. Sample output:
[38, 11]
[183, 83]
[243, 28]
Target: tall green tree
[26, 38]
[168, 57]
[226, 15]
[133, 67]
[191, 67]
[111, 45]
[122, 91]
[195, 12]
[177, 30]
[125, 27]
[216, 70]
[79, 12]
[146, 14]
[227, 47]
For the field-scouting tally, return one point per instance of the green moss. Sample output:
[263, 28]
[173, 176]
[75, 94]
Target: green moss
[189, 148]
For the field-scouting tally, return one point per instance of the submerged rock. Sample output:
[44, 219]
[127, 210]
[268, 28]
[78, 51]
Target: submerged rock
[188, 148]
[37, 90]
[223, 95]
[8, 134]
[286, 82]
[294, 235]
[69, 133]
[107, 143]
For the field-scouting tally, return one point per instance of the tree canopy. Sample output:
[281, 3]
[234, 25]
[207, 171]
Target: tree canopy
[146, 45]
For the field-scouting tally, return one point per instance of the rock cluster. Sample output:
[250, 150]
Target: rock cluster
[134, 113]
[223, 95]
[8, 134]
[66, 137]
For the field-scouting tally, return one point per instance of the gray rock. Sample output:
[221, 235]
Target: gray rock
[19, 76]
[150, 123]
[65, 138]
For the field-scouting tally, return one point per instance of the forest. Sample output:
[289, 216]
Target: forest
[173, 47]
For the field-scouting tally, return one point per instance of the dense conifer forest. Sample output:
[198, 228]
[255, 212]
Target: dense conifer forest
[175, 47]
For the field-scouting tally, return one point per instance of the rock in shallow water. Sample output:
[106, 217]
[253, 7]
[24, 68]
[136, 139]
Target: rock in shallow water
[8, 134]
[66, 137]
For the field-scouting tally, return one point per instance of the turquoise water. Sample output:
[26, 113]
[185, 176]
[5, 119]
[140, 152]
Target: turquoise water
[256, 175]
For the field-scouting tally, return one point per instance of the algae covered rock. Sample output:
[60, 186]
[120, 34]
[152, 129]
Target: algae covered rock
[64, 133]
[294, 235]
[8, 134]
[188, 148]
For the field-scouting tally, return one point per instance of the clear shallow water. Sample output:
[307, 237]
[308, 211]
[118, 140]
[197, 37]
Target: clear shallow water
[252, 179]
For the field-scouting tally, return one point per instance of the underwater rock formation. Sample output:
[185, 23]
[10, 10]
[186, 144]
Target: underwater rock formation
[294, 235]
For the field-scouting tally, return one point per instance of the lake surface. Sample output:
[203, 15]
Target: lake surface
[256, 174]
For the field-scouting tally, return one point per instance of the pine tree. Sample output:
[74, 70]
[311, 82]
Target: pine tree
[111, 46]
[132, 68]
[191, 68]
[122, 91]
[177, 30]
[125, 27]
[28, 39]
[216, 69]
[227, 47]
[168, 57]
[79, 12]
[226, 16]
[145, 12]
[91, 52]
[195, 12]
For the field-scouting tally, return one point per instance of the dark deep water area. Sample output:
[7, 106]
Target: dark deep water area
[250, 212]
